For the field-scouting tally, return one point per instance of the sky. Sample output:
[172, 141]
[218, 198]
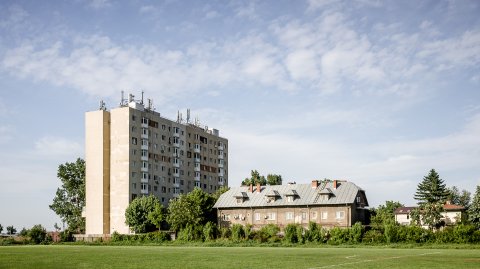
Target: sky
[373, 92]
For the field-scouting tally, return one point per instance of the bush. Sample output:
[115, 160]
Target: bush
[153, 237]
[390, 233]
[225, 232]
[270, 230]
[373, 236]
[67, 236]
[464, 233]
[191, 233]
[339, 235]
[37, 234]
[248, 231]
[356, 232]
[210, 231]
[238, 232]
[291, 233]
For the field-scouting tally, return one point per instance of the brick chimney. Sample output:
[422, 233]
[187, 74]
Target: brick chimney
[314, 184]
[259, 189]
[250, 188]
[335, 183]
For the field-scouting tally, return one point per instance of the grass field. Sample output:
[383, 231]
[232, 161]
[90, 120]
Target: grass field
[62, 256]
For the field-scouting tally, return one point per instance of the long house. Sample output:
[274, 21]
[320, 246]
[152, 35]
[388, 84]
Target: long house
[329, 203]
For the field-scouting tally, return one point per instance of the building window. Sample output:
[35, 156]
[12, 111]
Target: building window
[134, 185]
[134, 140]
[271, 216]
[226, 217]
[324, 215]
[289, 216]
[257, 216]
[304, 215]
[358, 199]
[289, 198]
[340, 215]
[314, 215]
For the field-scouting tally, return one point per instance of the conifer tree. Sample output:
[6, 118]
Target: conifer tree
[432, 189]
[474, 209]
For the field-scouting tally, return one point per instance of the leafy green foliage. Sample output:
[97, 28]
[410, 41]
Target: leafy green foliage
[210, 231]
[432, 189]
[137, 213]
[238, 233]
[293, 233]
[384, 214]
[194, 208]
[474, 209]
[157, 216]
[153, 237]
[459, 198]
[1, 228]
[191, 233]
[11, 230]
[273, 179]
[37, 234]
[431, 215]
[69, 199]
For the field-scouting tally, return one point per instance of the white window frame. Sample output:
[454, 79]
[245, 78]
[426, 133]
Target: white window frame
[313, 215]
[271, 215]
[324, 215]
[340, 215]
[289, 215]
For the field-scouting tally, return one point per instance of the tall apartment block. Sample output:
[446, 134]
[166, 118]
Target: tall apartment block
[132, 151]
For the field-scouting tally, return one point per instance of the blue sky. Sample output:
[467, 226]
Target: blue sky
[375, 92]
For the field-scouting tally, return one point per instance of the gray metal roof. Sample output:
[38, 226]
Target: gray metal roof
[345, 193]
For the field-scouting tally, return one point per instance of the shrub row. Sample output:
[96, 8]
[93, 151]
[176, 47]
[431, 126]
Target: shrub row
[154, 237]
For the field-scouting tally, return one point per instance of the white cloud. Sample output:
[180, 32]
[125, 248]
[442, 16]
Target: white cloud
[53, 147]
[246, 11]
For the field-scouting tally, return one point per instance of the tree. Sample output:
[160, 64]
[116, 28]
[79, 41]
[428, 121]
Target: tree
[69, 199]
[273, 179]
[11, 230]
[194, 208]
[431, 215]
[37, 234]
[474, 209]
[459, 198]
[157, 216]
[431, 189]
[1, 228]
[254, 179]
[384, 214]
[219, 192]
[136, 214]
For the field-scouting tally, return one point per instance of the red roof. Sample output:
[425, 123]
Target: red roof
[453, 207]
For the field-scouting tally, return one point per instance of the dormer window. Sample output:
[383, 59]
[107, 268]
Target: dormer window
[325, 194]
[241, 197]
[272, 196]
[291, 195]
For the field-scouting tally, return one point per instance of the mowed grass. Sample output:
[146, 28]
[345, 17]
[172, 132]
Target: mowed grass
[65, 256]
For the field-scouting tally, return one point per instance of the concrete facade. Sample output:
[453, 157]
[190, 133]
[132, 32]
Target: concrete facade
[132, 151]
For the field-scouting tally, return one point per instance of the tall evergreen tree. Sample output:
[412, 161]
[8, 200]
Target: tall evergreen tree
[432, 189]
[474, 209]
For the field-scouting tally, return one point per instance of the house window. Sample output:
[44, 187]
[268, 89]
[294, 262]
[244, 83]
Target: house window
[271, 216]
[257, 216]
[340, 215]
[324, 215]
[134, 140]
[304, 215]
[358, 199]
[289, 215]
[289, 198]
[314, 215]
[226, 217]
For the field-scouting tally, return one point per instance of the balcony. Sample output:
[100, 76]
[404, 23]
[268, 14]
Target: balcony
[177, 145]
[144, 191]
[144, 158]
[220, 183]
[144, 180]
[176, 174]
[145, 147]
[220, 156]
[176, 165]
[220, 147]
[176, 134]
[144, 169]
[176, 182]
[220, 165]
[196, 150]
[196, 168]
[144, 125]
[196, 178]
[197, 160]
[221, 174]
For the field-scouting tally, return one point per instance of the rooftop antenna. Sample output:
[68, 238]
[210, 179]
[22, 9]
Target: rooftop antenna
[131, 98]
[102, 105]
[123, 101]
[178, 116]
[188, 115]
[149, 106]
[141, 102]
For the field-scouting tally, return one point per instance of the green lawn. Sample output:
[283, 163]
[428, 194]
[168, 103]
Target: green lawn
[62, 256]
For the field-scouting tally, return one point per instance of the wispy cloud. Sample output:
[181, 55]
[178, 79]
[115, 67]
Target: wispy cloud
[53, 147]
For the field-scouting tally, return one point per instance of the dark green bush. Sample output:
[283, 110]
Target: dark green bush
[225, 232]
[238, 232]
[191, 233]
[339, 236]
[356, 233]
[373, 236]
[291, 233]
[37, 234]
[210, 231]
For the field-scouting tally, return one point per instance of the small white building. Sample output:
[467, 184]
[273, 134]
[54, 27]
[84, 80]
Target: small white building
[451, 215]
